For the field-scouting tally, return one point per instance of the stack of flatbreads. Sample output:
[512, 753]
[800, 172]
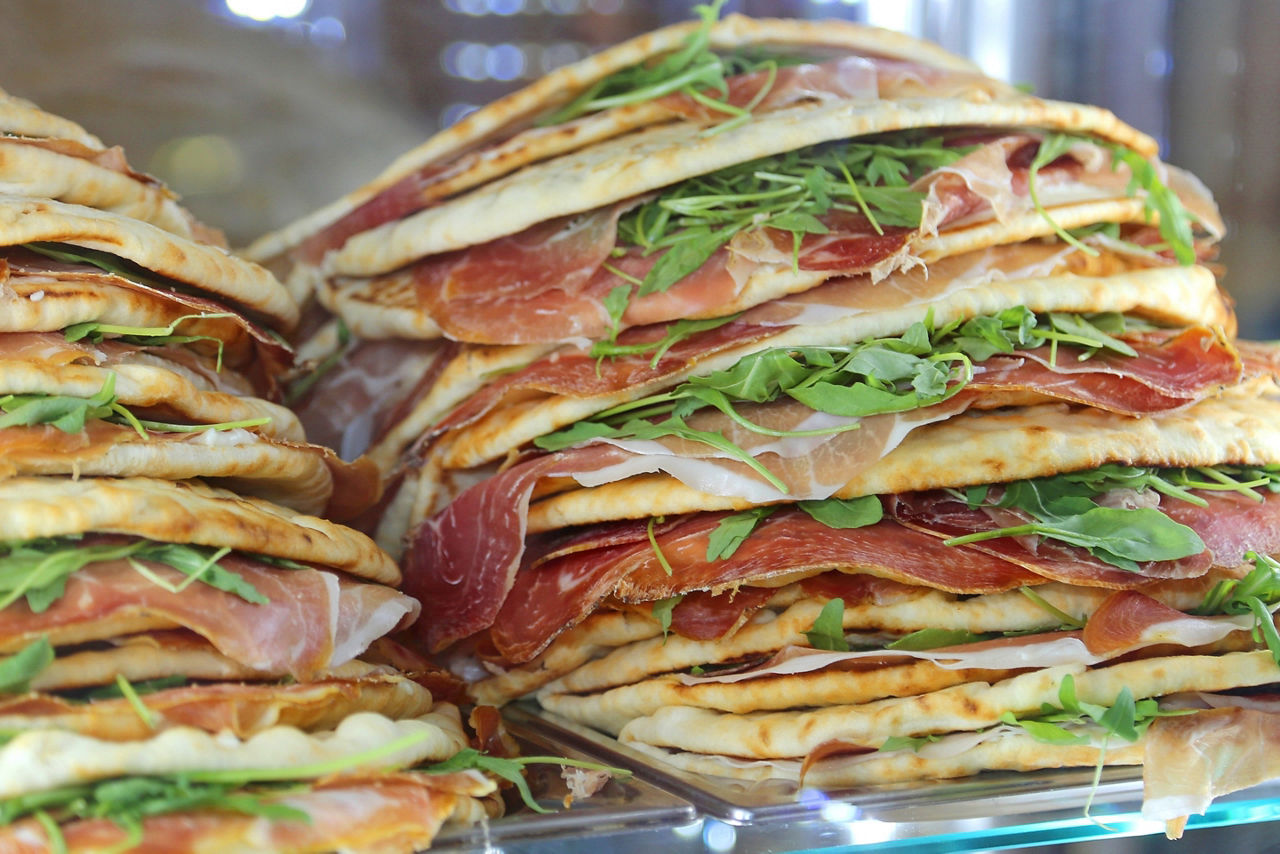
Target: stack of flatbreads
[787, 427]
[190, 657]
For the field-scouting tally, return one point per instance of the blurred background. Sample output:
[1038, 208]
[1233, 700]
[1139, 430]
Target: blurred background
[258, 111]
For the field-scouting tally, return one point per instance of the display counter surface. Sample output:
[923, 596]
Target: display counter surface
[660, 809]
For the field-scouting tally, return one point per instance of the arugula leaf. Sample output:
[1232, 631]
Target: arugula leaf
[788, 192]
[1053, 146]
[1120, 537]
[69, 253]
[935, 638]
[299, 388]
[1159, 200]
[1042, 731]
[907, 742]
[828, 629]
[662, 613]
[17, 671]
[1064, 508]
[1125, 717]
[147, 686]
[1065, 620]
[148, 336]
[733, 530]
[147, 716]
[127, 801]
[512, 770]
[845, 512]
[675, 333]
[653, 544]
[69, 414]
[690, 67]
[1256, 593]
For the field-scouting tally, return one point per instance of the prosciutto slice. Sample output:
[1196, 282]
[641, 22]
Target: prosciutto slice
[1190, 760]
[462, 561]
[373, 385]
[562, 585]
[1171, 370]
[313, 622]
[573, 372]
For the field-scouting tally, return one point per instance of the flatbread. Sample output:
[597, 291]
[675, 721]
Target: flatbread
[45, 759]
[638, 163]
[184, 512]
[209, 269]
[158, 654]
[507, 116]
[167, 391]
[20, 117]
[962, 708]
[298, 476]
[32, 170]
[1237, 427]
[1011, 749]
[594, 636]
[241, 709]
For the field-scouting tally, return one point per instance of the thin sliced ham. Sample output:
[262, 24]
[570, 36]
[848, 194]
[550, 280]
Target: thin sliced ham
[565, 584]
[373, 385]
[313, 621]
[462, 561]
[1189, 760]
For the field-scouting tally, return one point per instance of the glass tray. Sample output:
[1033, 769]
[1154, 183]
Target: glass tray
[660, 808]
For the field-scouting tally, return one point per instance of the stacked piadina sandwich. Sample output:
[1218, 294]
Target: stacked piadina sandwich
[190, 657]
[787, 426]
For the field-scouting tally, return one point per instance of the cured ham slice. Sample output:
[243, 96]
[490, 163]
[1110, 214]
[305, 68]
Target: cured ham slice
[1127, 620]
[463, 560]
[368, 390]
[702, 615]
[1170, 371]
[562, 589]
[313, 620]
[1189, 760]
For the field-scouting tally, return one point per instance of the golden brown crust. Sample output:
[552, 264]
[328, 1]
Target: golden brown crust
[184, 512]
